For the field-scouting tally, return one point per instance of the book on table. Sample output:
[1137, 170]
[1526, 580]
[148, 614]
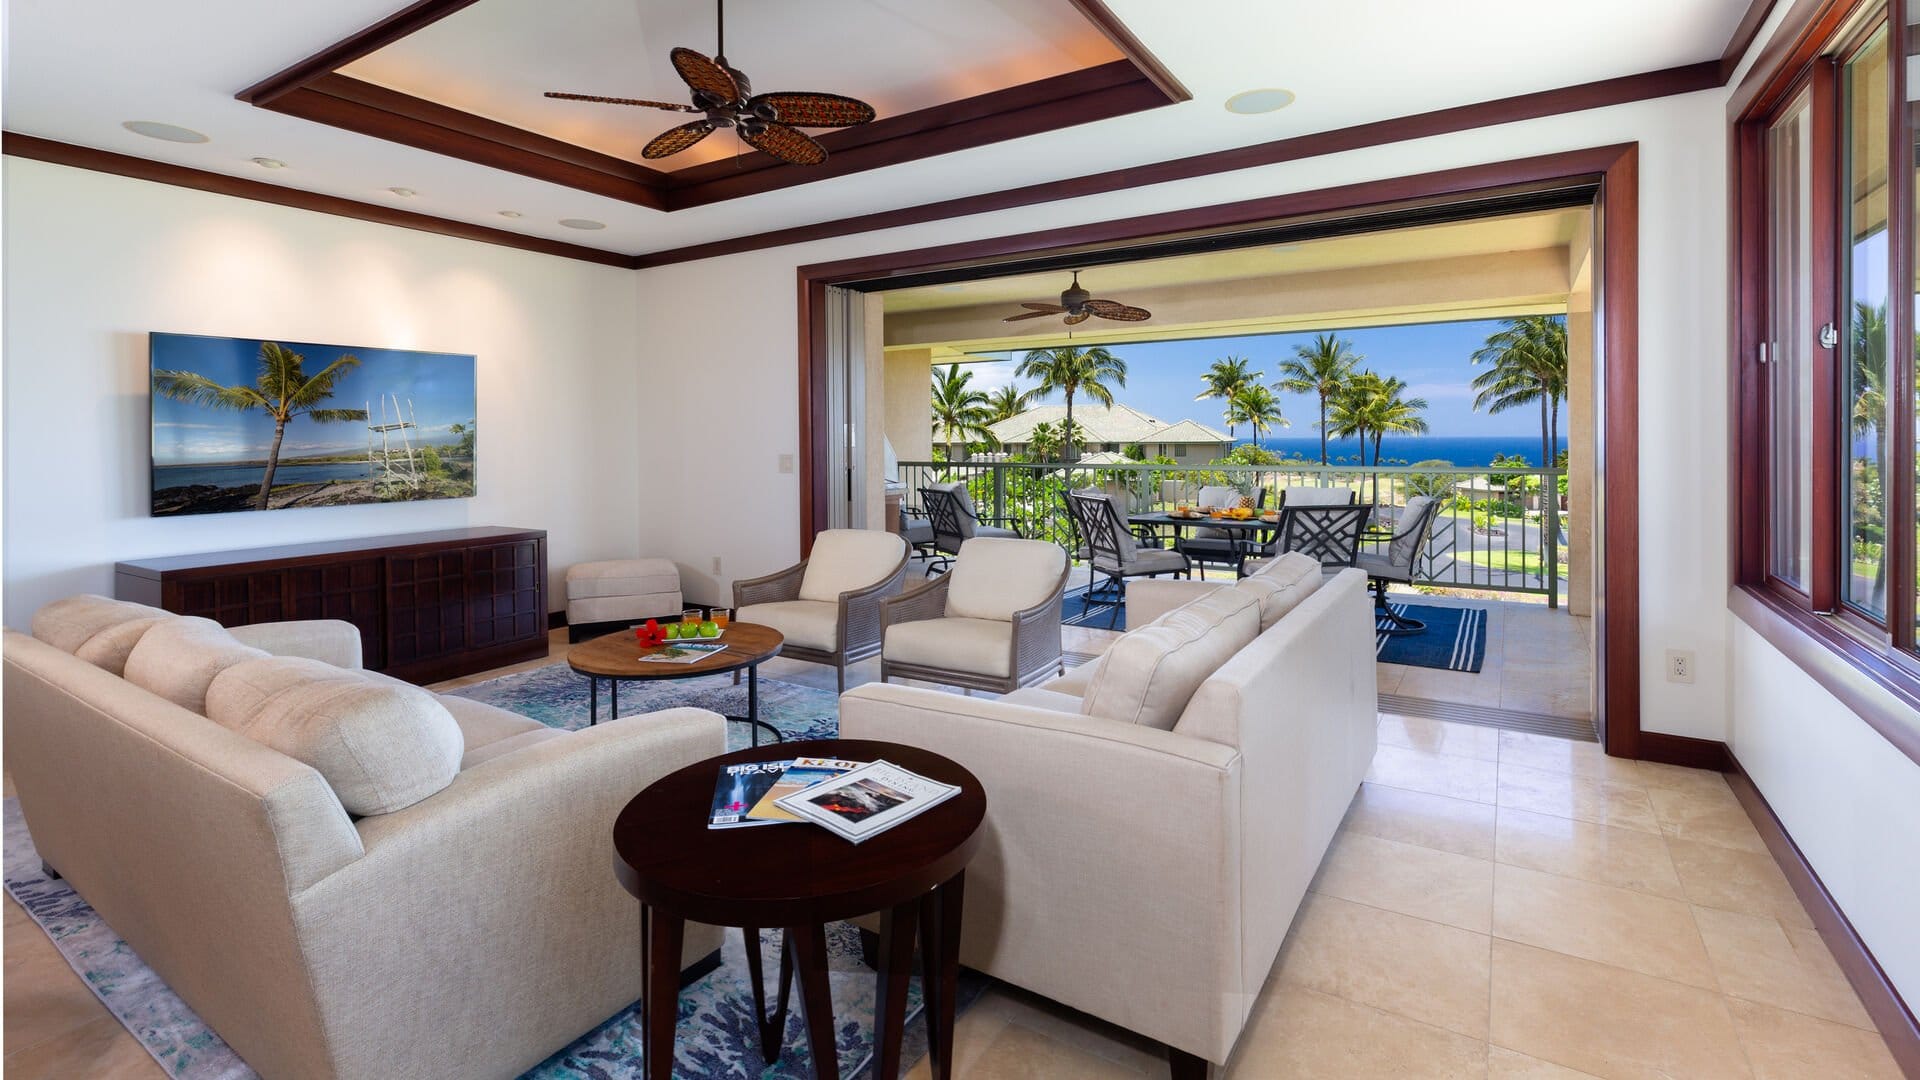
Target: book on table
[738, 789]
[868, 800]
[681, 654]
[800, 774]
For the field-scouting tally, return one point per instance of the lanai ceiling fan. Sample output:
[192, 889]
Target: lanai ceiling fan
[1079, 305]
[767, 122]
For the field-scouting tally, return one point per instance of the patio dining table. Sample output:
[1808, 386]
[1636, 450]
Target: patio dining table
[1248, 536]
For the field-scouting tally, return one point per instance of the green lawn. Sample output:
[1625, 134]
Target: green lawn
[1513, 562]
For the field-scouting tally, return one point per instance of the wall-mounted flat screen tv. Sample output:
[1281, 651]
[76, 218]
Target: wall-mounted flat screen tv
[250, 424]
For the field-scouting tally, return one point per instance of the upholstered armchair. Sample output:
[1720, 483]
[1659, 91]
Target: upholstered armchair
[991, 623]
[828, 606]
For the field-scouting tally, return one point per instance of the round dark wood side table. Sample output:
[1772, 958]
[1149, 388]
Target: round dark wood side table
[799, 877]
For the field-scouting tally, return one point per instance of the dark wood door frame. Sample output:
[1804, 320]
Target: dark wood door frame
[1610, 173]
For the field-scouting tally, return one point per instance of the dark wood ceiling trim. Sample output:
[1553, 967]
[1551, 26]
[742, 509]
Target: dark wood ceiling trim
[413, 17]
[314, 90]
[83, 157]
[1594, 95]
[1743, 34]
[1097, 13]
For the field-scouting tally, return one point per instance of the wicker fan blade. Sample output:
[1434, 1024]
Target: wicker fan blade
[674, 140]
[1108, 309]
[1051, 309]
[1075, 320]
[705, 76]
[1029, 315]
[668, 105]
[809, 109]
[790, 145]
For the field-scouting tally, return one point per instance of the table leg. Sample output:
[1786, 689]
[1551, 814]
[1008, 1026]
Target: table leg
[753, 703]
[808, 944]
[940, 969]
[593, 700]
[772, 1030]
[895, 970]
[613, 694]
[660, 937]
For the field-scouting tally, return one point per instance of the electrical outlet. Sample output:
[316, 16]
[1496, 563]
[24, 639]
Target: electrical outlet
[716, 564]
[786, 463]
[1679, 666]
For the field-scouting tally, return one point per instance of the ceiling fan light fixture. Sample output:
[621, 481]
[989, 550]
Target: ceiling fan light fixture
[1266, 99]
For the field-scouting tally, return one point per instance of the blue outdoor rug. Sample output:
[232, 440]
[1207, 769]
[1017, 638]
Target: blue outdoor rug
[1076, 609]
[717, 1035]
[1455, 638]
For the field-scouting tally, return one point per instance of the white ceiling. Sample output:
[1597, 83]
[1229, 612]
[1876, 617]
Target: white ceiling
[496, 58]
[77, 68]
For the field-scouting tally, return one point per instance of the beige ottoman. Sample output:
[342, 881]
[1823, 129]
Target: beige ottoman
[620, 591]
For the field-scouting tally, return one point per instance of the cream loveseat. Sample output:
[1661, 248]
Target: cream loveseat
[470, 928]
[1154, 818]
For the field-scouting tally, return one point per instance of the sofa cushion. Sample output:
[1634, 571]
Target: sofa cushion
[810, 624]
[1281, 584]
[847, 559]
[381, 744]
[483, 725]
[1149, 674]
[980, 646]
[77, 621]
[993, 577]
[622, 577]
[178, 659]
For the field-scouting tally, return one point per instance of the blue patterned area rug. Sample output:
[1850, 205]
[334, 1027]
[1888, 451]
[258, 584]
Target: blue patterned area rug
[717, 1037]
[556, 696]
[1455, 638]
[1094, 607]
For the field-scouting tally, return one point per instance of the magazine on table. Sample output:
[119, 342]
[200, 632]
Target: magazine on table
[801, 773]
[738, 789]
[868, 801]
[681, 654]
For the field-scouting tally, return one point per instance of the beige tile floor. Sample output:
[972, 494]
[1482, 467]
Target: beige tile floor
[1539, 660]
[1496, 905]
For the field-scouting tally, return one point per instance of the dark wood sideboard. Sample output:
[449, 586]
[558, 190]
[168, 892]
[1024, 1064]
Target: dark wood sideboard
[429, 605]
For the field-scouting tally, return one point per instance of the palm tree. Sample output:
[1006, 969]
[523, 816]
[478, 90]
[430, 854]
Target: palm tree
[1225, 379]
[1527, 360]
[1257, 407]
[1005, 404]
[960, 414]
[1390, 412]
[1072, 371]
[1321, 368]
[282, 390]
[1043, 442]
[1351, 411]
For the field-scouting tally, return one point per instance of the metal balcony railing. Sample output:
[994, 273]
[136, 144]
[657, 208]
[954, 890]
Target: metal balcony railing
[1499, 529]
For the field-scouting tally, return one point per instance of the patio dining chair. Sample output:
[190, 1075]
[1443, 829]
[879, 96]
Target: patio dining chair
[1414, 527]
[1115, 552]
[1330, 534]
[1219, 547]
[955, 521]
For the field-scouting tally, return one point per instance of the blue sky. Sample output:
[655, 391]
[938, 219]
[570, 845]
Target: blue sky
[1433, 358]
[440, 386]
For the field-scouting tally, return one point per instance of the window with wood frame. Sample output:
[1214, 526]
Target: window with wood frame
[1823, 275]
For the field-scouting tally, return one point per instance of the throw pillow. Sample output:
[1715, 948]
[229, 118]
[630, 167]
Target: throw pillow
[1281, 584]
[1150, 673]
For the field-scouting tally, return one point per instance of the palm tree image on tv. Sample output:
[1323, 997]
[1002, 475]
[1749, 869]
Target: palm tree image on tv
[245, 424]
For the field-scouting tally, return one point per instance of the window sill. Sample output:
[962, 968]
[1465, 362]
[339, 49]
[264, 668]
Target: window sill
[1881, 689]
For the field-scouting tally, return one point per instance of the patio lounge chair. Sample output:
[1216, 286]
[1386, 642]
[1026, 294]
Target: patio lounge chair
[1409, 540]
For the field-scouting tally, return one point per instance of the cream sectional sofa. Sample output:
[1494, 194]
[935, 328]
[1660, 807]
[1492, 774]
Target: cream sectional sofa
[343, 875]
[1154, 818]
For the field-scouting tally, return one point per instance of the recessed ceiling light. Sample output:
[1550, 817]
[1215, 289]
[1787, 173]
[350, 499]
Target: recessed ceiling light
[1264, 100]
[403, 192]
[154, 129]
[582, 223]
[269, 163]
[510, 213]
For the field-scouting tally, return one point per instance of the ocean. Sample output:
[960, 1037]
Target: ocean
[173, 476]
[1409, 449]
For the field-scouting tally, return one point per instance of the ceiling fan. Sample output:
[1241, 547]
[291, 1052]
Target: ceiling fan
[768, 122]
[1078, 305]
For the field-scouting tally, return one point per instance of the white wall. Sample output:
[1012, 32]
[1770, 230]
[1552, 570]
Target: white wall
[746, 370]
[94, 262]
[1846, 795]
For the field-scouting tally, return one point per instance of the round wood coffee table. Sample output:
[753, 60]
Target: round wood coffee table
[615, 657]
[799, 877]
